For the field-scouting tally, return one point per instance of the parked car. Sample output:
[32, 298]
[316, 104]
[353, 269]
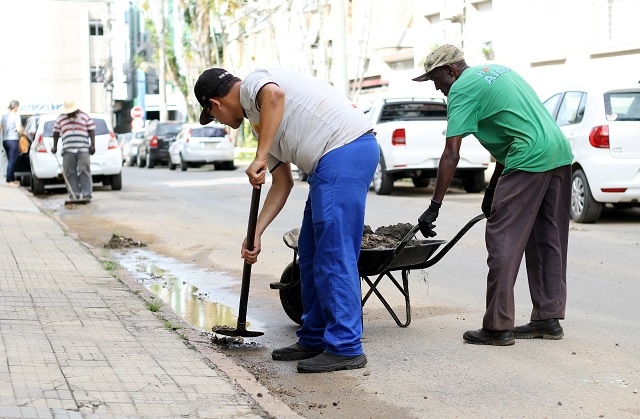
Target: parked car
[197, 145]
[411, 134]
[154, 147]
[106, 163]
[130, 145]
[603, 127]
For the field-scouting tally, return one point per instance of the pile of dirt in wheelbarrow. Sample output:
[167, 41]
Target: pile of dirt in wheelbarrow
[117, 242]
[386, 237]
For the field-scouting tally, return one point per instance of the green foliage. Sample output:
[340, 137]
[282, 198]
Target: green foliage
[110, 265]
[153, 306]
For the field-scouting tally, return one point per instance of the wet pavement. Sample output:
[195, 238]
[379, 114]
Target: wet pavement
[78, 340]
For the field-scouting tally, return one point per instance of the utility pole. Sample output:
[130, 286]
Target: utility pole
[162, 83]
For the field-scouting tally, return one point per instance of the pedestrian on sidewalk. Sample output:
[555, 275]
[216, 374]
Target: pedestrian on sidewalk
[302, 120]
[77, 131]
[527, 199]
[11, 126]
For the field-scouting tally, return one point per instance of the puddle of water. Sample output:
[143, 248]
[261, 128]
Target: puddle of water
[196, 295]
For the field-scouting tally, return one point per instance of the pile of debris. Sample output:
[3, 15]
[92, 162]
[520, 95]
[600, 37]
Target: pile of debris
[386, 237]
[118, 242]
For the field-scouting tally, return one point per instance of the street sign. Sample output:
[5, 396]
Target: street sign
[137, 112]
[137, 123]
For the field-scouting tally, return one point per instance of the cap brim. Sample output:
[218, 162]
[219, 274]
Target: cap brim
[205, 118]
[423, 77]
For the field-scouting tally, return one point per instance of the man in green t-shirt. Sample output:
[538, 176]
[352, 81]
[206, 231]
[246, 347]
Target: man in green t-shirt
[528, 197]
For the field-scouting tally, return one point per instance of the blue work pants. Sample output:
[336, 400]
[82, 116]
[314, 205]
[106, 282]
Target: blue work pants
[329, 246]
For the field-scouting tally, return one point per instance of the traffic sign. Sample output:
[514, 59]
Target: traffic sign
[137, 123]
[137, 112]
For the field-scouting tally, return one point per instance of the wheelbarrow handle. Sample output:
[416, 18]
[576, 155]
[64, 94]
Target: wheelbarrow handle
[453, 241]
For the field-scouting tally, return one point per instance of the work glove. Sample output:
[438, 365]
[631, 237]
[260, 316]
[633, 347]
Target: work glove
[487, 201]
[428, 217]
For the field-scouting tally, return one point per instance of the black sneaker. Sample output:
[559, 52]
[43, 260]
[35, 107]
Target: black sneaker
[489, 337]
[327, 362]
[294, 352]
[539, 329]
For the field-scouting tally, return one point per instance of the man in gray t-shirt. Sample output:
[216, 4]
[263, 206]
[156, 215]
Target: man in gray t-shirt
[11, 127]
[302, 120]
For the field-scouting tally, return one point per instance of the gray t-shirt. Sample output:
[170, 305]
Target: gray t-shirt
[316, 120]
[10, 124]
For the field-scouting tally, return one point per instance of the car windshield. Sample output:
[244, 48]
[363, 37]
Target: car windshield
[625, 106]
[101, 127]
[168, 129]
[139, 134]
[208, 132]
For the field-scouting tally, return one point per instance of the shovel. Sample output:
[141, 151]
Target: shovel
[241, 327]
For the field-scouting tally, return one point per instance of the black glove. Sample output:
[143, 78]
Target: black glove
[428, 217]
[487, 201]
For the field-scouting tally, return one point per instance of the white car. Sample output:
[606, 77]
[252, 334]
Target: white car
[106, 163]
[197, 145]
[130, 146]
[603, 127]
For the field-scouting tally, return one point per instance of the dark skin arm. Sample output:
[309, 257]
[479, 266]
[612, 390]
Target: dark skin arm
[447, 167]
[496, 175]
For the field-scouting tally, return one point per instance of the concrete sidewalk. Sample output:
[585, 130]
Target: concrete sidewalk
[77, 341]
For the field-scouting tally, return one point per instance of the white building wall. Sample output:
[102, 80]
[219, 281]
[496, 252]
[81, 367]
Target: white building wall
[49, 60]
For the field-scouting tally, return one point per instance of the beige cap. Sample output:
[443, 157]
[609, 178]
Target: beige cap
[443, 55]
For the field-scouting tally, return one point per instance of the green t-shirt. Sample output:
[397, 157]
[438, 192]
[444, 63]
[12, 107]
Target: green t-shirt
[496, 105]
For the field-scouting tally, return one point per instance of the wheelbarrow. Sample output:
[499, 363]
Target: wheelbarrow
[373, 266]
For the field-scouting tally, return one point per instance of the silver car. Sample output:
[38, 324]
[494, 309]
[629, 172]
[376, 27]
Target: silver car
[197, 145]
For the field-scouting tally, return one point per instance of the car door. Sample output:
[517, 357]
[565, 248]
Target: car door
[623, 113]
[568, 110]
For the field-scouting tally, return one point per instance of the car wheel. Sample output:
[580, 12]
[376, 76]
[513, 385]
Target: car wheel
[302, 175]
[228, 165]
[25, 180]
[421, 182]
[183, 164]
[130, 161]
[37, 185]
[382, 181]
[150, 163]
[474, 181]
[141, 163]
[584, 209]
[171, 165]
[116, 182]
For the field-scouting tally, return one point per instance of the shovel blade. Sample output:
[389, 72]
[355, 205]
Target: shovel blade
[227, 331]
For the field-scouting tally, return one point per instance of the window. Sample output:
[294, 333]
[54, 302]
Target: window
[571, 109]
[622, 106]
[552, 104]
[97, 74]
[96, 28]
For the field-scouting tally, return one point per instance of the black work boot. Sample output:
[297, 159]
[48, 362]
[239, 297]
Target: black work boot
[327, 362]
[294, 352]
[540, 329]
[489, 337]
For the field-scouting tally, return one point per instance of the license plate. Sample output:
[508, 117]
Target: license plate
[210, 145]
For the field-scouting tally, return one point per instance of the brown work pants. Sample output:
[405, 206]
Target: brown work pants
[530, 217]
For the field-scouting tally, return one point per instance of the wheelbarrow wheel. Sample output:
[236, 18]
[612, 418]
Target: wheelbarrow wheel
[290, 295]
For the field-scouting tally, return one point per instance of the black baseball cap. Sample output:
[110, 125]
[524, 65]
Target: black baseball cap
[206, 87]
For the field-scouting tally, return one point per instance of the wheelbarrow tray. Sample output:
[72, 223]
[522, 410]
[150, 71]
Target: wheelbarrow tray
[375, 261]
